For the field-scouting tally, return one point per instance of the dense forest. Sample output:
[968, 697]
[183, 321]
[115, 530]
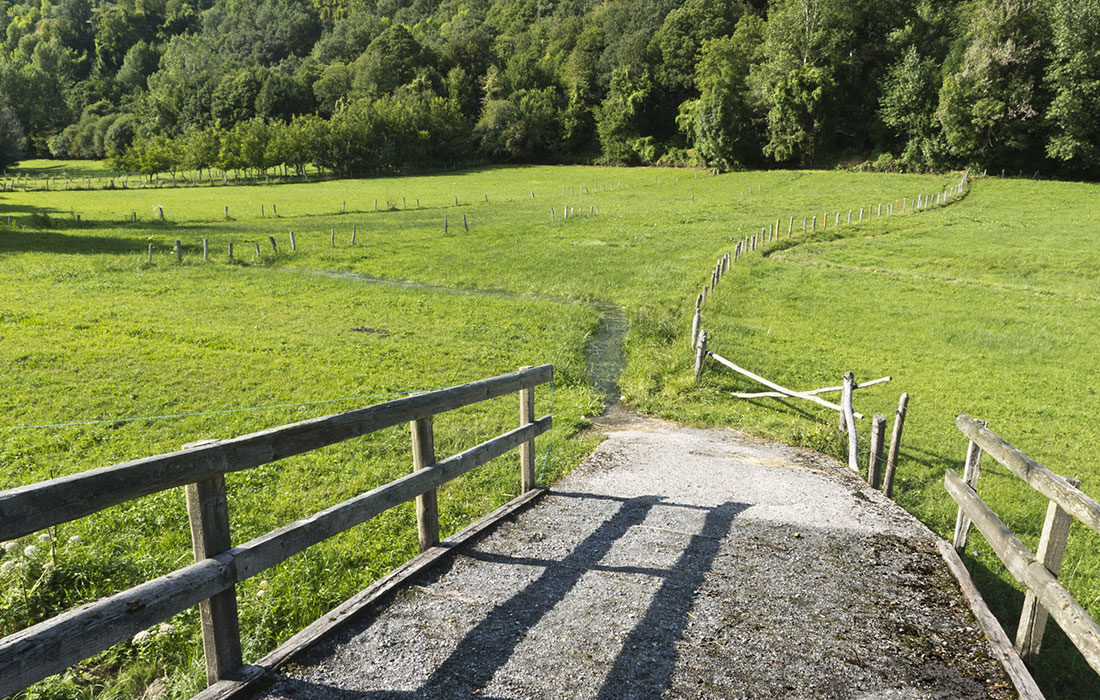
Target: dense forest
[362, 86]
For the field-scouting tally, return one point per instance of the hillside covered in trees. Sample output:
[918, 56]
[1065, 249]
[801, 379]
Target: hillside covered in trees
[362, 86]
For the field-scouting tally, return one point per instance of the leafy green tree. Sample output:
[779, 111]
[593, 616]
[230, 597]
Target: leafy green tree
[725, 123]
[911, 85]
[200, 149]
[141, 61]
[620, 119]
[333, 86]
[988, 107]
[12, 140]
[1073, 78]
[806, 41]
[119, 137]
[391, 60]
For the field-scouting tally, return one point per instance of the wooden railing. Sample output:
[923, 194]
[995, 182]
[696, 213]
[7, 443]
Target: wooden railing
[53, 645]
[1037, 573]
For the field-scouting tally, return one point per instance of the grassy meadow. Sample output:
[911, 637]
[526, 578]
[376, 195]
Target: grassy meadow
[985, 306]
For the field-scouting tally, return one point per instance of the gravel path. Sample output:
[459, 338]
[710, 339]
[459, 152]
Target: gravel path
[676, 563]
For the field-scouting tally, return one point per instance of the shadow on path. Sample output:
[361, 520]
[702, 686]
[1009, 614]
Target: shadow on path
[644, 665]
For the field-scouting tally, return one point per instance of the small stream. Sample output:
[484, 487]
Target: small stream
[604, 352]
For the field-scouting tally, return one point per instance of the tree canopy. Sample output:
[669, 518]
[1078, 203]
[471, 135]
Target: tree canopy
[362, 85]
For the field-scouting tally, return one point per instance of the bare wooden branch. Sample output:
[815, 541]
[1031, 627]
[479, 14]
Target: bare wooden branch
[1052, 546]
[782, 390]
[30, 508]
[1081, 629]
[850, 421]
[813, 392]
[895, 447]
[1046, 482]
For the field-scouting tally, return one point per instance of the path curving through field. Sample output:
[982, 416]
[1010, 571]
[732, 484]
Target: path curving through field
[604, 351]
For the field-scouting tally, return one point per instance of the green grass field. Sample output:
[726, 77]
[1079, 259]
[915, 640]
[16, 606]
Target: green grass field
[986, 307]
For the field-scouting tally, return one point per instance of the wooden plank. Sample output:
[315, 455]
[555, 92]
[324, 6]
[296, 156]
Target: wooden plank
[1081, 629]
[1052, 546]
[354, 607]
[1053, 486]
[526, 449]
[850, 421]
[278, 545]
[55, 644]
[780, 389]
[998, 640]
[895, 446]
[814, 392]
[208, 513]
[971, 473]
[427, 504]
[30, 508]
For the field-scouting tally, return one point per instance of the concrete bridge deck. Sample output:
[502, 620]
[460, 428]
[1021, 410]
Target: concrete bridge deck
[675, 563]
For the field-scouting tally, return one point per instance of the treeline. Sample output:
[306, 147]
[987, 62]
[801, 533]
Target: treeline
[358, 86]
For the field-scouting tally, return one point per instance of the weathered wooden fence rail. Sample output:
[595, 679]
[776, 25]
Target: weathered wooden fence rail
[1038, 573]
[55, 644]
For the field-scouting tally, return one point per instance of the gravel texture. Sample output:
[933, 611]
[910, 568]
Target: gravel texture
[676, 563]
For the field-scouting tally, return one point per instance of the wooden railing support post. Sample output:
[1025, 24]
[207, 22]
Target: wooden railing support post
[895, 446]
[878, 442]
[427, 507]
[700, 353]
[208, 512]
[971, 472]
[696, 320]
[1052, 545]
[527, 449]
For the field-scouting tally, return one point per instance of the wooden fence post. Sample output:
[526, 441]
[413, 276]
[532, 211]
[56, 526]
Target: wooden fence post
[274, 247]
[849, 420]
[150, 253]
[179, 251]
[895, 446]
[230, 250]
[696, 320]
[206, 249]
[700, 353]
[971, 472]
[527, 449]
[293, 244]
[1052, 545]
[208, 512]
[427, 507]
[878, 441]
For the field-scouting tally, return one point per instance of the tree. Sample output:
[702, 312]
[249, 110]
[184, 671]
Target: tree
[1073, 78]
[911, 88]
[12, 140]
[988, 106]
[390, 61]
[724, 124]
[805, 42]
